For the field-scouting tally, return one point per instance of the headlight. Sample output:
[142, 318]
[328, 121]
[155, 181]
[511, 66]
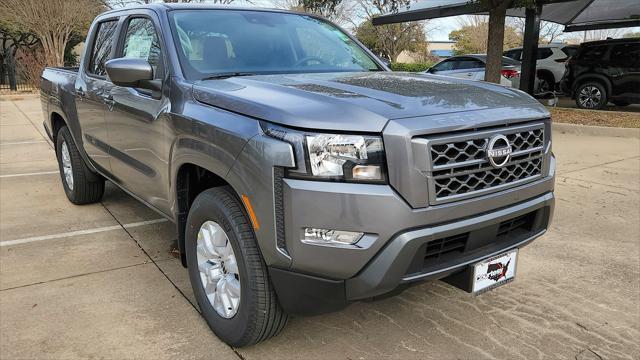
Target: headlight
[334, 157]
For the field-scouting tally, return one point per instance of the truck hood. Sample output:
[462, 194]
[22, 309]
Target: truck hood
[353, 101]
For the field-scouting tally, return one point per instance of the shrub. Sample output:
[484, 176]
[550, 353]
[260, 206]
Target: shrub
[417, 67]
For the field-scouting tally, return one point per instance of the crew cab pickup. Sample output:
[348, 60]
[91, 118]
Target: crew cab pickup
[301, 174]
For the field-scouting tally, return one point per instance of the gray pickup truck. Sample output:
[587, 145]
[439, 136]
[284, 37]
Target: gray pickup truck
[300, 172]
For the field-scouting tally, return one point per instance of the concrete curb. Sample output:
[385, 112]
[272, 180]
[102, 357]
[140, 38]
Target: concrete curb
[596, 130]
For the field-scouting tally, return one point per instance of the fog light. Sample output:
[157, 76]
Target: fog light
[327, 237]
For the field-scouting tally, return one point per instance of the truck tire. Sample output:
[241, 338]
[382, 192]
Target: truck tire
[591, 95]
[81, 184]
[228, 275]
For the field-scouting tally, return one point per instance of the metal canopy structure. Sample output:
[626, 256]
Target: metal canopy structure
[576, 15]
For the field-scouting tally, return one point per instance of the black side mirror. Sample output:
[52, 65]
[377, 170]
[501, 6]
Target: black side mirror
[135, 73]
[432, 70]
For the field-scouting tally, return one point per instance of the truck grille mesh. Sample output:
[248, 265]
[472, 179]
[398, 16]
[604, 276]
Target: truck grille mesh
[460, 168]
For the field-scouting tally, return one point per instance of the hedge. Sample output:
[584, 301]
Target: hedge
[417, 67]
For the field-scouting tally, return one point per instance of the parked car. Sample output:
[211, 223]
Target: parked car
[301, 174]
[604, 71]
[472, 67]
[550, 63]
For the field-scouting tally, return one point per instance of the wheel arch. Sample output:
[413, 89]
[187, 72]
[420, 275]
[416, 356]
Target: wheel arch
[191, 178]
[602, 80]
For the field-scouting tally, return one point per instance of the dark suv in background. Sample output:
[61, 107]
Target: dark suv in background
[604, 71]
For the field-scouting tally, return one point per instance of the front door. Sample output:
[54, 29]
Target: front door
[136, 119]
[92, 88]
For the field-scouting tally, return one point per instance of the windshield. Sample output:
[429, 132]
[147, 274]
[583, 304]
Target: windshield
[214, 42]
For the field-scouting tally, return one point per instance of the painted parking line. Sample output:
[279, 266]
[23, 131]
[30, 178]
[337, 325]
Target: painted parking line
[23, 142]
[30, 174]
[78, 232]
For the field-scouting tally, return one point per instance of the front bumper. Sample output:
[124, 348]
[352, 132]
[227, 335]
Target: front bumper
[323, 279]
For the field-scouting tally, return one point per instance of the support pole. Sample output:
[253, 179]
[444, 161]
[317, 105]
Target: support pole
[530, 49]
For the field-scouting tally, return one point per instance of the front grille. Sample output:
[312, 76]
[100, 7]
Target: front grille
[460, 168]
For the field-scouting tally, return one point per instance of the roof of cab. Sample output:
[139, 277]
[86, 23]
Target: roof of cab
[164, 7]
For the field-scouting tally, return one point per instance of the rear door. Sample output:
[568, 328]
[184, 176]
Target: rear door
[625, 69]
[92, 89]
[139, 144]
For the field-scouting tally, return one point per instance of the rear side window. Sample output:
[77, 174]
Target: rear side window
[102, 46]
[626, 54]
[544, 53]
[595, 52]
[468, 63]
[513, 54]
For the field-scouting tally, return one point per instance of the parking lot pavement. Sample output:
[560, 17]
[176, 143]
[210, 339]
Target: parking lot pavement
[102, 281]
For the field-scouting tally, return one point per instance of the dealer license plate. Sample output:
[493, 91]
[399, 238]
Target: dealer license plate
[494, 271]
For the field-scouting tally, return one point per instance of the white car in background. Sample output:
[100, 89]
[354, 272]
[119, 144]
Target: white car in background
[472, 67]
[550, 64]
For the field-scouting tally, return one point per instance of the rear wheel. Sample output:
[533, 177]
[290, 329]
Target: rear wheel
[228, 275]
[546, 83]
[592, 96]
[81, 185]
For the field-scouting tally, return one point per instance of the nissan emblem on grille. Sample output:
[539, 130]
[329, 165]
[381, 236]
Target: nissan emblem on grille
[498, 151]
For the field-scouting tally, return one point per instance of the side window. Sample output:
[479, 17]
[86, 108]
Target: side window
[513, 54]
[626, 54]
[444, 66]
[141, 42]
[570, 50]
[595, 52]
[544, 53]
[102, 45]
[469, 63]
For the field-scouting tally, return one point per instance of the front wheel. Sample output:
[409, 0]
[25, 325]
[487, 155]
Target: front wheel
[228, 275]
[591, 96]
[81, 185]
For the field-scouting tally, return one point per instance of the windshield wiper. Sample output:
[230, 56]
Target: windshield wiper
[227, 75]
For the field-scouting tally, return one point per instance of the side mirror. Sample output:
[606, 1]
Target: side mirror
[431, 70]
[129, 72]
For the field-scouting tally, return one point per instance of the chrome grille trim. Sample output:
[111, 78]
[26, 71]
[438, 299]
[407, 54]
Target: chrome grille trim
[458, 167]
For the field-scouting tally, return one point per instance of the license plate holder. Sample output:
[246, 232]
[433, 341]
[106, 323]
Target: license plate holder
[494, 271]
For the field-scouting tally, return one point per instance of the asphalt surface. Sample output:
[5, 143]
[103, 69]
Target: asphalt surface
[100, 281]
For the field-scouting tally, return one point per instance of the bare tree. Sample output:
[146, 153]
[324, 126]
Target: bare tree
[549, 31]
[52, 21]
[392, 39]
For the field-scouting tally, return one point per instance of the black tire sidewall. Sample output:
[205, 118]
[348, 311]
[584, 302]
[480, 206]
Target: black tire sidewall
[207, 206]
[603, 100]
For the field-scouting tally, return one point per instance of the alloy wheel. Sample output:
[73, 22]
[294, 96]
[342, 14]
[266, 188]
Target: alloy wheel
[590, 97]
[218, 269]
[67, 168]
